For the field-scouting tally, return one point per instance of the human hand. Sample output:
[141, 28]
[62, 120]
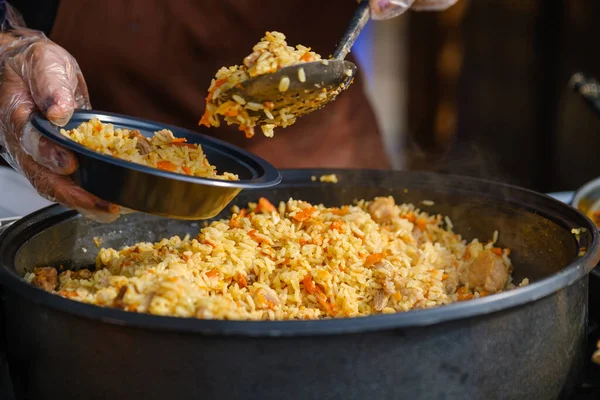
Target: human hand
[37, 74]
[386, 9]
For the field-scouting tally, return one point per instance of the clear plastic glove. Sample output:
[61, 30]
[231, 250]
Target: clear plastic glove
[386, 9]
[37, 74]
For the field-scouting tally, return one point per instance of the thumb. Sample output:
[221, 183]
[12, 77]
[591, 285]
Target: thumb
[54, 77]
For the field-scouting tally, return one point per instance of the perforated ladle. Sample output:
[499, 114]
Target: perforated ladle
[311, 85]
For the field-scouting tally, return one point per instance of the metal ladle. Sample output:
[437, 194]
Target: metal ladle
[323, 80]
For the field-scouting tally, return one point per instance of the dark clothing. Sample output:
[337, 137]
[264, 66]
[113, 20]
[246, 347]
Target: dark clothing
[37, 14]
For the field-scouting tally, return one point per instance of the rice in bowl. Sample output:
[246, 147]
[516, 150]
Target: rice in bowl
[162, 151]
[293, 261]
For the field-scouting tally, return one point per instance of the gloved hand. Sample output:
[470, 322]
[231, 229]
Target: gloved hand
[386, 9]
[36, 73]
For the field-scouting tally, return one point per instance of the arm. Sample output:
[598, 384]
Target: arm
[37, 74]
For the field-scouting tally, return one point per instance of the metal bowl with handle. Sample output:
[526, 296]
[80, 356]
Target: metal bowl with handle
[527, 343]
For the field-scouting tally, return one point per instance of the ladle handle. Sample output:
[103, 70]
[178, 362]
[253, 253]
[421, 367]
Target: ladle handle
[589, 89]
[359, 20]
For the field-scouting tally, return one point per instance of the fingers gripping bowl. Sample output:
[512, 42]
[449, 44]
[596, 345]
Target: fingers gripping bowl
[147, 185]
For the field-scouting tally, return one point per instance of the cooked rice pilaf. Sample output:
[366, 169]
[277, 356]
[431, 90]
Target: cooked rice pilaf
[163, 151]
[268, 56]
[294, 261]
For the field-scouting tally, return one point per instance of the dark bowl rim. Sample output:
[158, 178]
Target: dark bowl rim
[52, 215]
[269, 175]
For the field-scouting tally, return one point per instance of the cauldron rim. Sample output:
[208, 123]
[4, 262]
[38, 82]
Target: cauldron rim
[54, 214]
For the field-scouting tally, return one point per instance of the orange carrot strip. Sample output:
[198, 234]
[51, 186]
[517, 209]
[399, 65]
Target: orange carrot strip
[304, 214]
[220, 82]
[340, 211]
[337, 226]
[232, 112]
[463, 294]
[259, 239]
[265, 205]
[213, 273]
[324, 301]
[241, 280]
[373, 258]
[309, 285]
[190, 145]
[205, 120]
[497, 251]
[166, 166]
[248, 130]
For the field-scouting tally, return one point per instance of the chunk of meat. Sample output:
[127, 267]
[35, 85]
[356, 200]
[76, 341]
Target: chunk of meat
[250, 60]
[450, 283]
[380, 300]
[265, 298]
[487, 271]
[143, 145]
[45, 278]
[384, 271]
[81, 274]
[203, 313]
[383, 209]
[388, 287]
[384, 267]
[250, 278]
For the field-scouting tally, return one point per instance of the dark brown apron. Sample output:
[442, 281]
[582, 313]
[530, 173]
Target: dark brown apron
[155, 59]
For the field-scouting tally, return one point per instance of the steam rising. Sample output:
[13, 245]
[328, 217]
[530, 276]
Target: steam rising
[466, 159]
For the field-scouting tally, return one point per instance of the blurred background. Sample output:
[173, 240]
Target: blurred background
[481, 90]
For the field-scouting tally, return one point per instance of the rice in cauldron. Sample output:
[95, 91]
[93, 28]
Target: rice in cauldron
[294, 261]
